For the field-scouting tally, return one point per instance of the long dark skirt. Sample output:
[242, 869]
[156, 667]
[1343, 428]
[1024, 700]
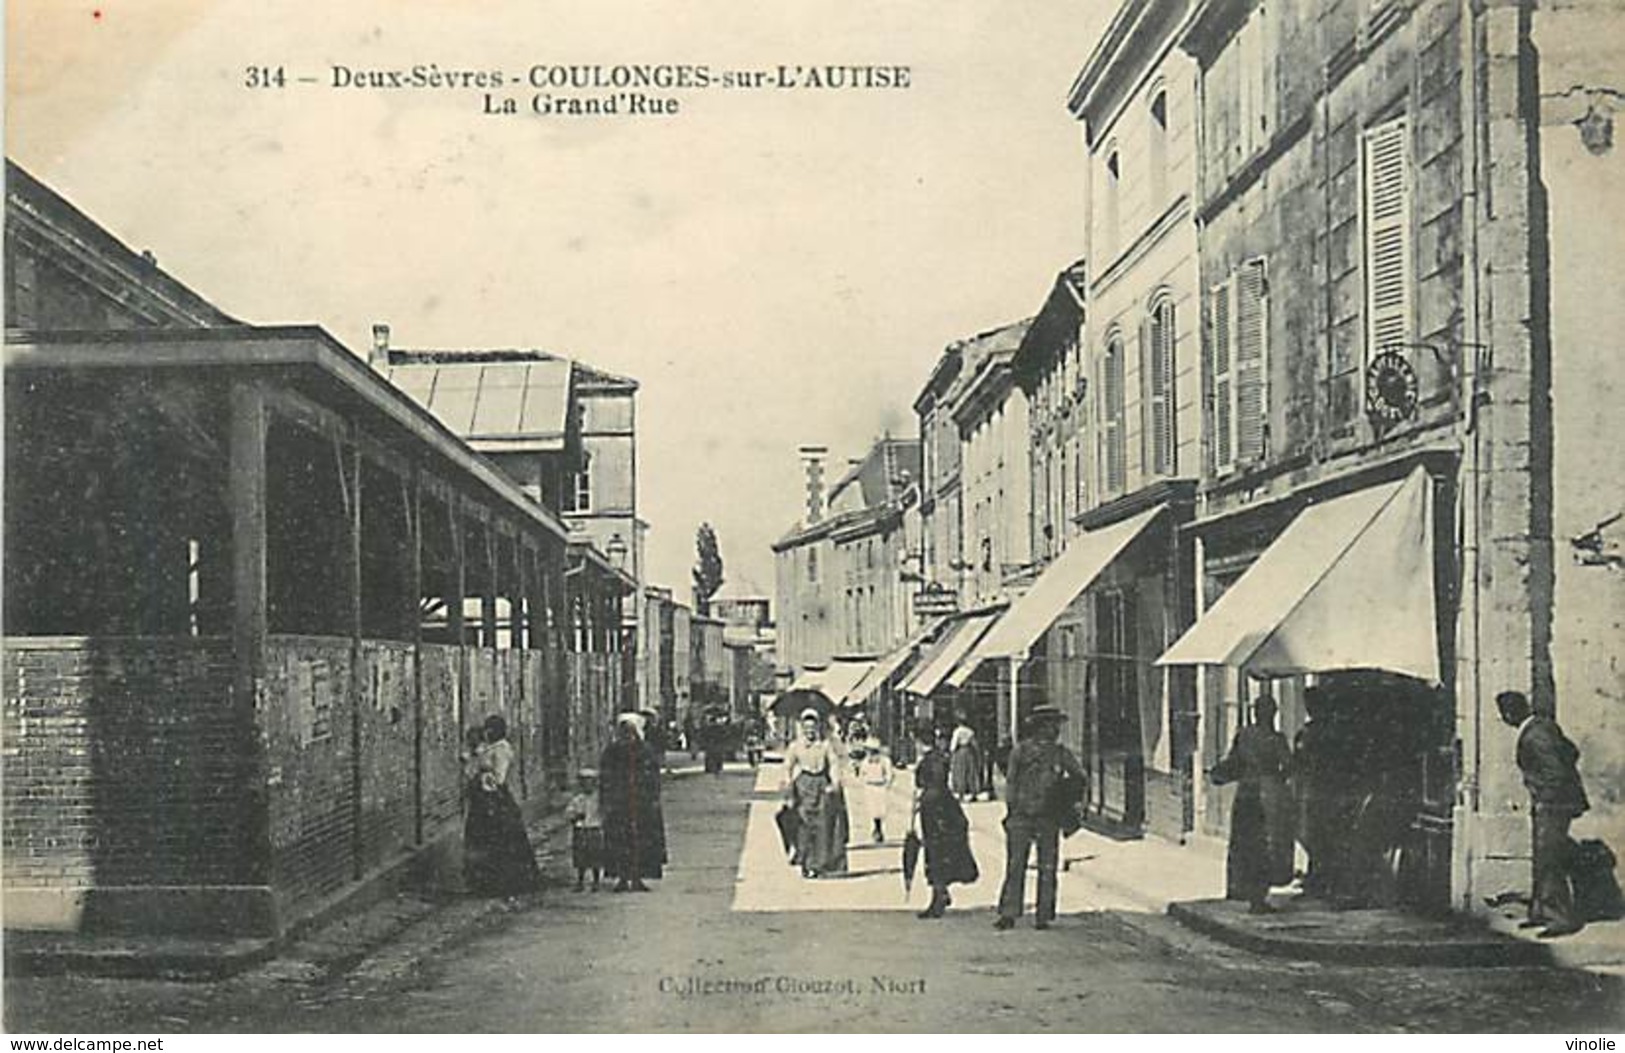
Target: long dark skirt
[635, 841]
[812, 805]
[1260, 851]
[497, 856]
[945, 835]
[838, 830]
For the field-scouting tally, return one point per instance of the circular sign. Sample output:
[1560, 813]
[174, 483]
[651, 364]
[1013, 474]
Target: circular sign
[1390, 388]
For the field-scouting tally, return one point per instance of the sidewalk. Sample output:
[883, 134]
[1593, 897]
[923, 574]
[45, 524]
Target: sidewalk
[1187, 882]
[402, 902]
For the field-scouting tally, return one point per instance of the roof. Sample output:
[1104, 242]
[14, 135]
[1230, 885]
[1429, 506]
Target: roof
[29, 201]
[884, 473]
[1057, 320]
[517, 403]
[277, 349]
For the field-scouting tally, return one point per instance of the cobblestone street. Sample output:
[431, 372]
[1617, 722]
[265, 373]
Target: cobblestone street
[836, 955]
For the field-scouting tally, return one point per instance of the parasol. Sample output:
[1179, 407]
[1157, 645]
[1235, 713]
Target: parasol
[789, 823]
[792, 702]
[911, 860]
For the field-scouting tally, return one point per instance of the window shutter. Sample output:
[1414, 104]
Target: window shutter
[1223, 393]
[1387, 237]
[1252, 412]
[1161, 397]
[1112, 385]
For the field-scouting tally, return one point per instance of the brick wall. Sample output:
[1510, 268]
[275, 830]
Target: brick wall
[442, 736]
[125, 764]
[388, 692]
[305, 721]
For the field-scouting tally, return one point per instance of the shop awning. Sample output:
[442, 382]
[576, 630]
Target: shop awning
[1348, 585]
[957, 639]
[888, 666]
[835, 681]
[1063, 581]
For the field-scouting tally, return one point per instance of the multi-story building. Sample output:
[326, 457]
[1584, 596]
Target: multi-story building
[564, 431]
[842, 597]
[1402, 374]
[1112, 441]
[990, 412]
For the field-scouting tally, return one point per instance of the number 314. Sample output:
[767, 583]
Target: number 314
[264, 77]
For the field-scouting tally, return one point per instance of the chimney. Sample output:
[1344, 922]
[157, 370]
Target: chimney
[379, 358]
[812, 462]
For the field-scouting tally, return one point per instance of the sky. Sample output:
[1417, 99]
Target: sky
[775, 267]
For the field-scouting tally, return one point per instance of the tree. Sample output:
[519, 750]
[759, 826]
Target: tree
[707, 568]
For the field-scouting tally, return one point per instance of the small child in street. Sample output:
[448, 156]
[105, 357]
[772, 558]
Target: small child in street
[586, 830]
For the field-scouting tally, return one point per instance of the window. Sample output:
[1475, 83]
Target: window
[580, 493]
[1161, 442]
[1157, 151]
[1114, 466]
[1236, 369]
[1387, 221]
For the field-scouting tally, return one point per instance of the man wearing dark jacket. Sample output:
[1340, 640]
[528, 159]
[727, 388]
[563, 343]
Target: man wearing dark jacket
[1548, 761]
[1036, 766]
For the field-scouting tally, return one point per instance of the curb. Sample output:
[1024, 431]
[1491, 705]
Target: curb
[56, 958]
[1475, 954]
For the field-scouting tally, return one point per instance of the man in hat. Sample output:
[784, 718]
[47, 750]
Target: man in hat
[1039, 772]
[1550, 766]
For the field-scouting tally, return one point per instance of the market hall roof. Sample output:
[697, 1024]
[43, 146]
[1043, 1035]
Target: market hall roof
[308, 351]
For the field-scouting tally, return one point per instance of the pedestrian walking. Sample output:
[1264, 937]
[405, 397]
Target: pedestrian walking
[812, 772]
[1261, 823]
[629, 800]
[873, 769]
[586, 830]
[1316, 759]
[498, 859]
[964, 762]
[1550, 766]
[1045, 782]
[941, 825]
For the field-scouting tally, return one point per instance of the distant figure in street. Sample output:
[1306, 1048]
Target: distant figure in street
[964, 762]
[873, 769]
[498, 858]
[1261, 841]
[629, 799]
[1550, 766]
[812, 772]
[1045, 780]
[586, 829]
[943, 830]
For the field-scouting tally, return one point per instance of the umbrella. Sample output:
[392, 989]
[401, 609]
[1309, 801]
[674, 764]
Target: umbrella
[911, 860]
[789, 824]
[792, 702]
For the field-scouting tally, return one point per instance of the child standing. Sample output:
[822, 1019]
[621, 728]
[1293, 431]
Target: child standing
[586, 829]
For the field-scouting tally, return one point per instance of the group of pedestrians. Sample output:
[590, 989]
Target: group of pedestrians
[617, 827]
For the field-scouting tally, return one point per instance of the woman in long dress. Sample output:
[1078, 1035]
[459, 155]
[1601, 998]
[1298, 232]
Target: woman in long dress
[965, 763]
[498, 858]
[1261, 819]
[629, 802]
[813, 788]
[944, 831]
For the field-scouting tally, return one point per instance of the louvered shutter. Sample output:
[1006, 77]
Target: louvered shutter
[1161, 397]
[1387, 237]
[1221, 417]
[1112, 385]
[1252, 411]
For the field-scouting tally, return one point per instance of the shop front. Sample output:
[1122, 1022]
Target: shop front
[1339, 606]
